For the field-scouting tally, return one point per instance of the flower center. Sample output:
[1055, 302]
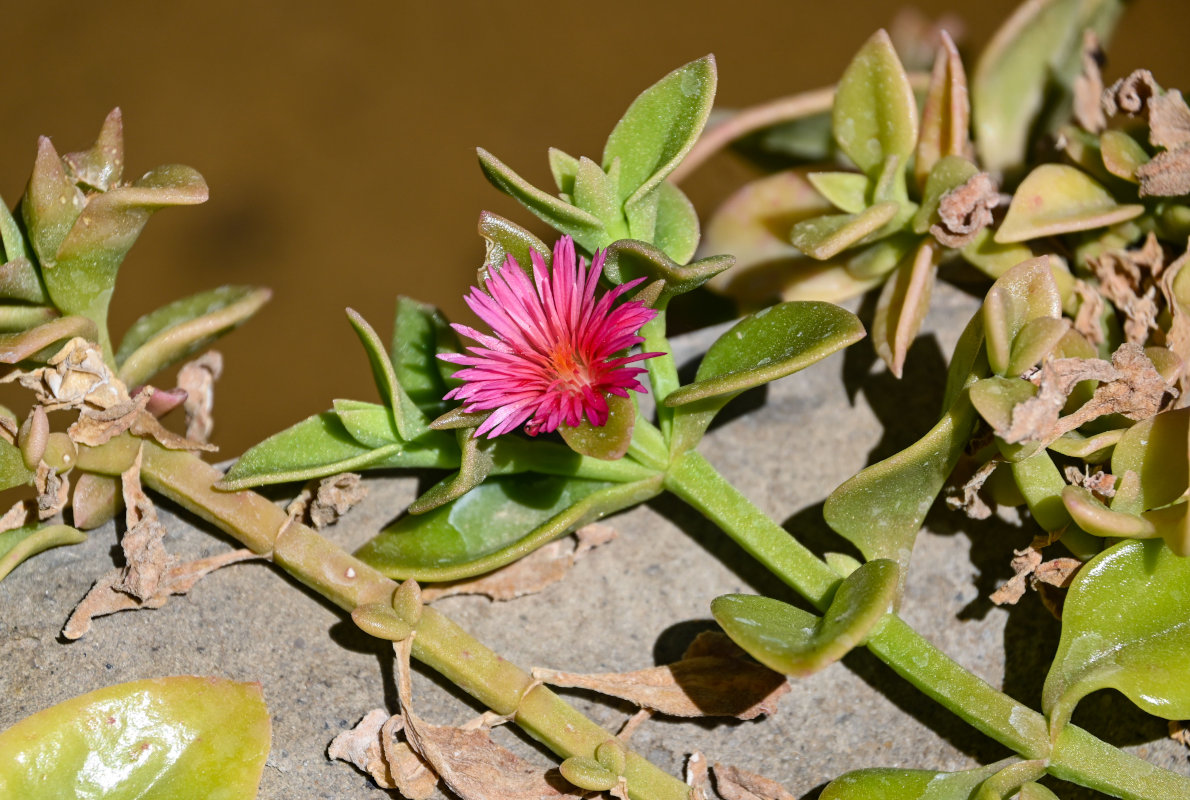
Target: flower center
[569, 371]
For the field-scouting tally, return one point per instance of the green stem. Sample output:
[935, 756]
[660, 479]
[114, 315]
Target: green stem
[1078, 756]
[349, 583]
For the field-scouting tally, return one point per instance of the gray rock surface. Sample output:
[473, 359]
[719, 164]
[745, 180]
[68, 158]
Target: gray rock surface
[632, 604]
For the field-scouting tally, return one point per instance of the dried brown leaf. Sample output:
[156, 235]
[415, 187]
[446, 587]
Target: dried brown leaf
[715, 644]
[144, 540]
[1169, 120]
[1036, 419]
[1130, 95]
[9, 428]
[734, 783]
[697, 775]
[99, 426]
[1090, 309]
[146, 425]
[531, 574]
[335, 497]
[104, 598]
[361, 746]
[53, 491]
[1023, 565]
[197, 378]
[1179, 732]
[413, 776]
[1088, 86]
[1129, 279]
[76, 376]
[16, 516]
[704, 686]
[1177, 338]
[966, 210]
[1058, 572]
[1167, 174]
[1100, 483]
[967, 496]
[633, 723]
[468, 761]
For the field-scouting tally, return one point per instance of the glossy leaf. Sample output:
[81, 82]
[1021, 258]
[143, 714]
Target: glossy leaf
[996, 397]
[1122, 155]
[946, 116]
[43, 341]
[629, 259]
[27, 541]
[608, 441]
[497, 522]
[875, 113]
[154, 739]
[183, 327]
[420, 332]
[1024, 293]
[1093, 449]
[1042, 484]
[1097, 519]
[1156, 450]
[660, 127]
[1035, 55]
[767, 345]
[903, 304]
[1036, 340]
[583, 227]
[1056, 198]
[320, 446]
[795, 642]
[1125, 626]
[909, 784]
[847, 191]
[826, 236]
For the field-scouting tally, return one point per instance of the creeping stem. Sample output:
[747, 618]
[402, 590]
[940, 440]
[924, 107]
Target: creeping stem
[1076, 756]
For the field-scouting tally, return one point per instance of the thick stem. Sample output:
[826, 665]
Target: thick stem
[348, 582]
[1078, 756]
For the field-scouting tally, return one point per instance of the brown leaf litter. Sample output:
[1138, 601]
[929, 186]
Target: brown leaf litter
[1031, 571]
[966, 210]
[967, 496]
[323, 503]
[1129, 385]
[1099, 483]
[53, 491]
[1130, 280]
[1179, 732]
[1090, 309]
[533, 573]
[1168, 116]
[716, 682]
[733, 783]
[373, 747]
[1088, 86]
[197, 378]
[697, 775]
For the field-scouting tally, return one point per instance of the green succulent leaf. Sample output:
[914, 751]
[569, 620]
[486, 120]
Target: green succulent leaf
[12, 241]
[946, 116]
[475, 464]
[320, 446]
[1042, 484]
[1026, 292]
[368, 423]
[22, 318]
[1155, 450]
[51, 204]
[410, 420]
[660, 127]
[909, 784]
[20, 281]
[948, 173]
[992, 258]
[27, 541]
[1036, 340]
[1097, 519]
[38, 344]
[504, 238]
[497, 522]
[847, 191]
[13, 470]
[1125, 626]
[629, 259]
[183, 327]
[796, 642]
[676, 228]
[155, 739]
[830, 234]
[564, 168]
[582, 226]
[101, 166]
[1033, 57]
[877, 260]
[903, 304]
[1122, 155]
[875, 114]
[587, 773]
[595, 194]
[420, 332]
[1056, 198]
[609, 441]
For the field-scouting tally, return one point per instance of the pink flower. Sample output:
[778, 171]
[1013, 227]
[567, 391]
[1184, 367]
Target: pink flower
[552, 358]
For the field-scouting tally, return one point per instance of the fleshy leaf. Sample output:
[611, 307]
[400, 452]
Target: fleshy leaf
[12, 241]
[19, 281]
[494, 524]
[1098, 520]
[13, 470]
[608, 441]
[178, 329]
[948, 173]
[1125, 627]
[1042, 484]
[660, 127]
[629, 259]
[1156, 450]
[22, 318]
[410, 421]
[1056, 198]
[903, 304]
[39, 343]
[993, 258]
[767, 345]
[504, 238]
[583, 227]
[826, 236]
[1036, 340]
[368, 423]
[1122, 155]
[595, 194]
[475, 463]
[27, 541]
[101, 166]
[320, 446]
[875, 113]
[420, 332]
[909, 784]
[1034, 56]
[51, 203]
[564, 168]
[946, 117]
[796, 642]
[676, 228]
[847, 191]
[1026, 292]
[153, 739]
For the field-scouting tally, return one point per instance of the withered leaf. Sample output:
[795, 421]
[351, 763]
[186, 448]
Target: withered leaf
[1023, 564]
[1169, 120]
[1098, 482]
[531, 574]
[1167, 174]
[1177, 338]
[967, 496]
[144, 540]
[734, 783]
[1179, 732]
[53, 491]
[716, 644]
[1130, 95]
[197, 378]
[335, 497]
[704, 686]
[966, 210]
[1129, 279]
[74, 377]
[361, 746]
[15, 517]
[104, 598]
[99, 426]
[696, 775]
[633, 723]
[468, 761]
[1088, 86]
[147, 426]
[1090, 309]
[413, 776]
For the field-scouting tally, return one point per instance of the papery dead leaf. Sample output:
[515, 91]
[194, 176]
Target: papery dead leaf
[715, 644]
[144, 540]
[1129, 279]
[468, 761]
[966, 210]
[697, 775]
[74, 377]
[967, 498]
[104, 598]
[1090, 309]
[95, 427]
[361, 746]
[1177, 338]
[1088, 86]
[531, 574]
[1100, 483]
[147, 426]
[1023, 564]
[16, 516]
[413, 776]
[734, 783]
[633, 723]
[1167, 174]
[335, 497]
[197, 378]
[1130, 95]
[704, 686]
[53, 491]
[1179, 732]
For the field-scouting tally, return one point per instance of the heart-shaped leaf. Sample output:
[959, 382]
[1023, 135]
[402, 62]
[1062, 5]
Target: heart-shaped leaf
[1033, 57]
[796, 642]
[847, 191]
[909, 784]
[1125, 626]
[183, 327]
[155, 739]
[629, 259]
[903, 304]
[1056, 198]
[497, 522]
[320, 446]
[826, 236]
[1024, 293]
[27, 541]
[660, 127]
[608, 441]
[875, 113]
[583, 227]
[946, 116]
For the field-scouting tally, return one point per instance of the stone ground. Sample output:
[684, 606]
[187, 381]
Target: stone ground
[632, 604]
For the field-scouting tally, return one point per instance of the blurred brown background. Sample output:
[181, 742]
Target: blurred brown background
[338, 139]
